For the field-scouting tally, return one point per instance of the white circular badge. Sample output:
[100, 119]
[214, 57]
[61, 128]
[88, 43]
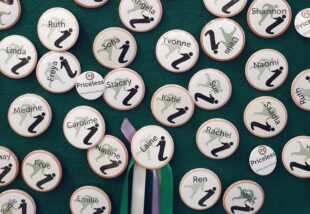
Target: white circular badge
[265, 117]
[269, 19]
[302, 23]
[177, 51]
[90, 85]
[210, 88]
[9, 166]
[18, 56]
[217, 138]
[84, 127]
[300, 90]
[109, 158]
[41, 171]
[222, 39]
[226, 8]
[140, 16]
[266, 69]
[29, 115]
[263, 160]
[124, 89]
[10, 13]
[243, 197]
[296, 156]
[91, 3]
[200, 189]
[152, 147]
[115, 48]
[57, 71]
[58, 29]
[90, 199]
[172, 105]
[18, 201]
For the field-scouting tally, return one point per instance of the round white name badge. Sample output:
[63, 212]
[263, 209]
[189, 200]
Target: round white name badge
[14, 200]
[18, 56]
[84, 127]
[172, 105]
[152, 147]
[90, 85]
[58, 29]
[300, 90]
[29, 115]
[200, 189]
[10, 13]
[263, 160]
[57, 71]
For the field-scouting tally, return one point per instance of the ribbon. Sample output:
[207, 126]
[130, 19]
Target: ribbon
[162, 201]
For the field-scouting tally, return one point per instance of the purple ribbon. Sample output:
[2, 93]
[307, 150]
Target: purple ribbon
[128, 131]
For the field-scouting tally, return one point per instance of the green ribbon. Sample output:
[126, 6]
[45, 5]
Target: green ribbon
[166, 193]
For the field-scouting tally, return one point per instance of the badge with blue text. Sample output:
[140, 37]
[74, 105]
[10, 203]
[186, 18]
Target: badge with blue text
[29, 115]
[172, 105]
[266, 69]
[217, 138]
[18, 57]
[9, 13]
[124, 89]
[17, 201]
[243, 197]
[225, 8]
[84, 127]
[210, 88]
[152, 147]
[177, 51]
[58, 29]
[140, 15]
[90, 199]
[57, 71]
[302, 23]
[265, 117]
[200, 189]
[296, 156]
[9, 166]
[115, 48]
[41, 171]
[91, 3]
[269, 19]
[222, 39]
[109, 158]
[300, 90]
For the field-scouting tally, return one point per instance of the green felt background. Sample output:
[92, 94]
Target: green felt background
[285, 193]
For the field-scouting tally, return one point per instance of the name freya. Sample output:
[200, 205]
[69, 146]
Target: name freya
[28, 109]
[148, 144]
[20, 51]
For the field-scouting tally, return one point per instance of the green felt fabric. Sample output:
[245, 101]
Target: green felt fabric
[285, 193]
